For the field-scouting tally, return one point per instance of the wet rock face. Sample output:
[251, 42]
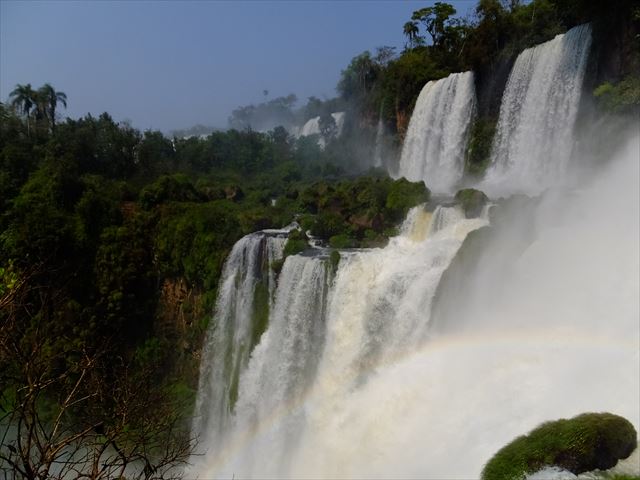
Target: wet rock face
[584, 443]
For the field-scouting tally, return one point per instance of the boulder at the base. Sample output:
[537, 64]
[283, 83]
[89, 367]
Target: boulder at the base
[471, 201]
[587, 442]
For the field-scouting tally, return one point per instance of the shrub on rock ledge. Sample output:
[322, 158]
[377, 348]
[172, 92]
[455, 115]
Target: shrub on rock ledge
[471, 201]
[587, 442]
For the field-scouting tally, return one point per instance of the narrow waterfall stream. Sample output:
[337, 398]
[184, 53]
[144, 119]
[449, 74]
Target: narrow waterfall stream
[433, 150]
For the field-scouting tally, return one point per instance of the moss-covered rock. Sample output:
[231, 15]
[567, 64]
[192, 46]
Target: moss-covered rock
[296, 243]
[587, 442]
[334, 260]
[471, 201]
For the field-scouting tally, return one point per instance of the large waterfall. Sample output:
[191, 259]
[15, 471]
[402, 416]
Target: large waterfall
[434, 146]
[325, 340]
[421, 359]
[534, 137]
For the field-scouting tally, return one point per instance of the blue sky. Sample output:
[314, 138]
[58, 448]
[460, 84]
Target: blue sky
[173, 64]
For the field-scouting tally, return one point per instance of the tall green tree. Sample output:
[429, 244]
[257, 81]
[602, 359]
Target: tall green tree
[50, 98]
[23, 98]
[412, 32]
[435, 19]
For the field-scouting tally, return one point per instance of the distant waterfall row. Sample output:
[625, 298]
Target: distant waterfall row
[533, 140]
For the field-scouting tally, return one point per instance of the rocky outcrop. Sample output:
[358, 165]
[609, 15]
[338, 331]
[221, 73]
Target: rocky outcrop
[587, 442]
[472, 201]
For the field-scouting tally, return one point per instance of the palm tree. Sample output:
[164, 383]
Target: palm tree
[50, 98]
[411, 31]
[23, 99]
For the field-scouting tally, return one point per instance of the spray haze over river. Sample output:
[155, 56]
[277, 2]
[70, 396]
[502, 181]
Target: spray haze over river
[407, 361]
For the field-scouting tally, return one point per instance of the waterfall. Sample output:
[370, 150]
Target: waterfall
[377, 151]
[312, 127]
[434, 146]
[351, 379]
[534, 136]
[324, 340]
[281, 368]
[243, 290]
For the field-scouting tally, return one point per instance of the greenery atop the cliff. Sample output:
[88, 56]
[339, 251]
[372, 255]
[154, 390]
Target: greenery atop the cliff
[623, 96]
[587, 442]
[360, 212]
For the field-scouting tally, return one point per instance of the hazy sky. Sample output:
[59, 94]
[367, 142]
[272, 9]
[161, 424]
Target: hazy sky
[172, 64]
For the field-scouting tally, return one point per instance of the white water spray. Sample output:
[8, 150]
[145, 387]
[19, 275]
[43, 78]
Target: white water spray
[228, 345]
[434, 147]
[534, 136]
[378, 309]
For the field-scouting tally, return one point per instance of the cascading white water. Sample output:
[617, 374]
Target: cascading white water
[228, 345]
[281, 368]
[351, 380]
[378, 309]
[434, 146]
[534, 136]
[551, 333]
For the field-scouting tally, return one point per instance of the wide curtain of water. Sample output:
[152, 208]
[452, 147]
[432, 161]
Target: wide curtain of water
[534, 136]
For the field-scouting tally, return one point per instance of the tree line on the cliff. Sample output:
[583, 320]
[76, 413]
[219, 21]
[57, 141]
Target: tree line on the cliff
[112, 240]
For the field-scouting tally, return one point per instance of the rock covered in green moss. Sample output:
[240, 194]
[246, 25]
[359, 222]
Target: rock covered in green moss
[296, 243]
[587, 442]
[471, 201]
[334, 260]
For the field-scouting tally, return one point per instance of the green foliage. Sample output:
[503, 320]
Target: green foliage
[168, 188]
[8, 279]
[622, 97]
[479, 146]
[343, 241]
[403, 195]
[357, 213]
[260, 312]
[192, 240]
[358, 78]
[334, 260]
[124, 279]
[436, 19]
[296, 243]
[277, 265]
[587, 442]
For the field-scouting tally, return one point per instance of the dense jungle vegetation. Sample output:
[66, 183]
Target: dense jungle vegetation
[112, 240]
